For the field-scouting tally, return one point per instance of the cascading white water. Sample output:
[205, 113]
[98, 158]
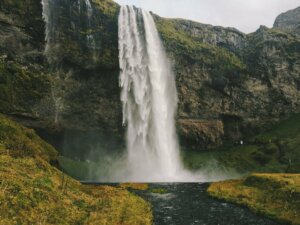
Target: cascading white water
[48, 25]
[149, 98]
[49, 51]
[90, 37]
[89, 8]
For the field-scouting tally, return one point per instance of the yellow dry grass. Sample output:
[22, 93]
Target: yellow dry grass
[34, 192]
[274, 195]
[135, 186]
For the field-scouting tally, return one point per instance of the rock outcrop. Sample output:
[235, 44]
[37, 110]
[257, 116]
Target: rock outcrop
[289, 21]
[229, 84]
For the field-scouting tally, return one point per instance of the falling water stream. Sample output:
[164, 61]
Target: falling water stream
[90, 37]
[149, 98]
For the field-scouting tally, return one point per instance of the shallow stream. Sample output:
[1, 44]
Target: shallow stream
[189, 204]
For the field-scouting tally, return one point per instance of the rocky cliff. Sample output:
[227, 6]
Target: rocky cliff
[229, 84]
[75, 82]
[289, 21]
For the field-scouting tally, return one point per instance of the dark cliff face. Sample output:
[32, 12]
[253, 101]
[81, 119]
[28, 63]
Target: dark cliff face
[88, 75]
[23, 19]
[72, 26]
[75, 80]
[229, 84]
[289, 21]
[23, 82]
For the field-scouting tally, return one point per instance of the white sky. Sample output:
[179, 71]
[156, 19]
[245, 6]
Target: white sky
[245, 15]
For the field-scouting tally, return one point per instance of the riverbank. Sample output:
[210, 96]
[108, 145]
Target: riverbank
[275, 195]
[189, 203]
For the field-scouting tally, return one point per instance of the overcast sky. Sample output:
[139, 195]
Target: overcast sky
[245, 15]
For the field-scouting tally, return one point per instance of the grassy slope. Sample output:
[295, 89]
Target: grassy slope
[34, 192]
[274, 195]
[276, 150]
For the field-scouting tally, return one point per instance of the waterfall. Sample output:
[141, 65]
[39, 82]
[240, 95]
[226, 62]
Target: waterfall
[90, 37]
[149, 98]
[49, 28]
[89, 8]
[50, 53]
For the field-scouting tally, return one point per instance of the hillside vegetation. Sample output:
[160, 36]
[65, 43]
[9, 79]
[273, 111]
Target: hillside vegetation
[32, 191]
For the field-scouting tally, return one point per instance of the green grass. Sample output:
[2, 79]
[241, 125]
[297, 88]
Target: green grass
[274, 195]
[287, 129]
[276, 150]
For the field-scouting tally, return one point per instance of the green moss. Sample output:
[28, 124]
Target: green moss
[287, 129]
[274, 195]
[32, 191]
